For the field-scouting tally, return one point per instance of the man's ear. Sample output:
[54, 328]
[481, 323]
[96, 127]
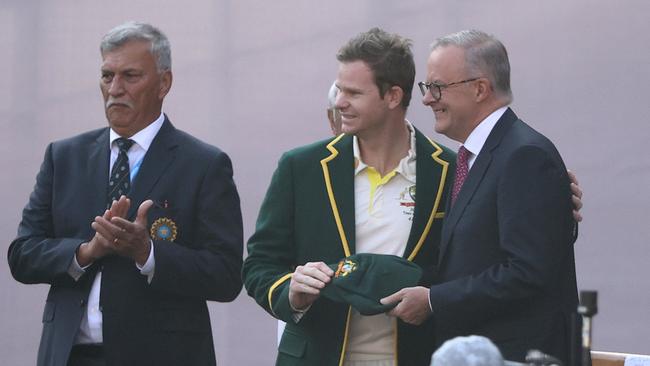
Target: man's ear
[483, 89]
[165, 83]
[394, 96]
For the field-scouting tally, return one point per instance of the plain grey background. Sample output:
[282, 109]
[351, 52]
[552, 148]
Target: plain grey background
[252, 77]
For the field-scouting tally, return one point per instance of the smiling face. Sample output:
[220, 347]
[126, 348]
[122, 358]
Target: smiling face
[457, 110]
[132, 87]
[361, 107]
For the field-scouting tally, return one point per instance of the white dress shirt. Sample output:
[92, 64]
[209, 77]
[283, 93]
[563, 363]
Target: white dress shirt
[475, 141]
[90, 329]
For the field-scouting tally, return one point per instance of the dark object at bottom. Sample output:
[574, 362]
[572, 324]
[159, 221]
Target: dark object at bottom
[87, 355]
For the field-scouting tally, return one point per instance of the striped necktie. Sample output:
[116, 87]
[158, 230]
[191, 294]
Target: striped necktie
[120, 180]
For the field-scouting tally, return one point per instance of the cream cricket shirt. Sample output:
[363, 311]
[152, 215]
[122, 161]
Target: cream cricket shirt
[384, 209]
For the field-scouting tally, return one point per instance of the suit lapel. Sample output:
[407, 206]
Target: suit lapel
[159, 156]
[431, 173]
[98, 161]
[97, 177]
[474, 178]
[338, 176]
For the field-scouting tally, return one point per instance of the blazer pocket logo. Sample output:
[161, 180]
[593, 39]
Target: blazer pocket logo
[164, 229]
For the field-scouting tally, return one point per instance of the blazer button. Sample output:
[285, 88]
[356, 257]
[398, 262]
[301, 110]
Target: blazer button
[82, 302]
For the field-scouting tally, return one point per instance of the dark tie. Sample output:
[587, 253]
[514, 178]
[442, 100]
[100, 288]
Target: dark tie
[462, 168]
[120, 181]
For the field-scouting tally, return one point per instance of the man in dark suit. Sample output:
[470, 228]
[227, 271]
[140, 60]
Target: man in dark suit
[131, 288]
[506, 259]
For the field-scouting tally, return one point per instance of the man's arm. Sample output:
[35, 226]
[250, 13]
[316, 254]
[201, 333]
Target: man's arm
[270, 267]
[306, 283]
[36, 256]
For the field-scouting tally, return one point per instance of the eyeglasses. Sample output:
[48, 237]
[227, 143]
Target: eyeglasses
[436, 89]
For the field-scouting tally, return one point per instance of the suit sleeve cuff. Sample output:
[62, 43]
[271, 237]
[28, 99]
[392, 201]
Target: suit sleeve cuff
[75, 270]
[149, 266]
[298, 314]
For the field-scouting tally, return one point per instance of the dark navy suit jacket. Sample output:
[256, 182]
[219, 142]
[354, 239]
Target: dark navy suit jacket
[164, 322]
[506, 260]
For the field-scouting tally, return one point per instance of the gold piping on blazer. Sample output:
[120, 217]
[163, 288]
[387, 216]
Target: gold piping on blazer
[330, 193]
[434, 212]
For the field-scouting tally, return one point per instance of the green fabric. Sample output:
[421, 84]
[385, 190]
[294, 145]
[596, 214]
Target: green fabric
[296, 225]
[361, 280]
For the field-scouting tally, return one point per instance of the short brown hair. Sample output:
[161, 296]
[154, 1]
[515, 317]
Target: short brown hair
[389, 57]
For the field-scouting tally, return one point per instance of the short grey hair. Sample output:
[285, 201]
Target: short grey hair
[134, 31]
[468, 351]
[484, 54]
[331, 96]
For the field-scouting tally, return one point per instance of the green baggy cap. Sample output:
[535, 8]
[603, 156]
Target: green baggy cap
[361, 280]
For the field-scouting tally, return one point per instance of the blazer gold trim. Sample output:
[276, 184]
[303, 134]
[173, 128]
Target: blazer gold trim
[330, 193]
[434, 212]
[273, 287]
[345, 336]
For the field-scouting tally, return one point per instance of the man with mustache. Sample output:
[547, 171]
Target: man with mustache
[133, 226]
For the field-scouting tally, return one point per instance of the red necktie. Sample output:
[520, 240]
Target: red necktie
[462, 167]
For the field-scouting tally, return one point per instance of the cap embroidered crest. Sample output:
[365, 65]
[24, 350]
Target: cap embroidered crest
[164, 229]
[344, 268]
[361, 280]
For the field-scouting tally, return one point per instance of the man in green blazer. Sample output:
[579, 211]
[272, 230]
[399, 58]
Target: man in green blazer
[353, 193]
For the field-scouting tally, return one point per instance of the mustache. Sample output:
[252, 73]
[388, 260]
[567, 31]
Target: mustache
[111, 102]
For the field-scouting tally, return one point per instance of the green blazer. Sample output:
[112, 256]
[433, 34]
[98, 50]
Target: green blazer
[308, 216]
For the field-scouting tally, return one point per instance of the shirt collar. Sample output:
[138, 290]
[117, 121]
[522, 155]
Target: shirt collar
[406, 166]
[144, 137]
[475, 141]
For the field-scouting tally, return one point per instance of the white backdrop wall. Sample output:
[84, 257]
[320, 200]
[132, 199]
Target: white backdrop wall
[252, 78]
